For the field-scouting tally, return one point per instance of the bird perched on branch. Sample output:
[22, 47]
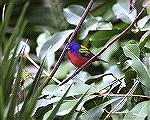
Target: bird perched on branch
[79, 54]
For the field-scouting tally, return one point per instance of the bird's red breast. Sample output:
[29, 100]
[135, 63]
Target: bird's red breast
[76, 59]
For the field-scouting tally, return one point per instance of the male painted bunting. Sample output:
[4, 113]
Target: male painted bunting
[79, 54]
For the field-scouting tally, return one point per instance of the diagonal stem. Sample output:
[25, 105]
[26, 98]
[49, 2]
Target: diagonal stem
[71, 39]
[104, 48]
[123, 99]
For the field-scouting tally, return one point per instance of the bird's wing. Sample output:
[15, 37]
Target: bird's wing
[85, 52]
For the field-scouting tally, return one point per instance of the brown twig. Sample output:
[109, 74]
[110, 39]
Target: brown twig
[123, 95]
[104, 48]
[123, 99]
[70, 39]
[37, 66]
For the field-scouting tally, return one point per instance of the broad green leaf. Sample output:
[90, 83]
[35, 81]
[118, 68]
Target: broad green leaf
[130, 74]
[50, 57]
[143, 24]
[144, 39]
[96, 112]
[148, 7]
[93, 24]
[122, 11]
[100, 38]
[147, 43]
[41, 39]
[42, 109]
[55, 110]
[54, 42]
[76, 89]
[139, 112]
[147, 50]
[66, 107]
[70, 114]
[142, 72]
[111, 51]
[63, 69]
[73, 14]
[135, 49]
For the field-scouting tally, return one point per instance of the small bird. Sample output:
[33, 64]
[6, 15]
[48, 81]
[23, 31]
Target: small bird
[79, 54]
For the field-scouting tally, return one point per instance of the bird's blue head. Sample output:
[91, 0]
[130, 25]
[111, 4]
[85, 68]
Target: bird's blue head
[73, 47]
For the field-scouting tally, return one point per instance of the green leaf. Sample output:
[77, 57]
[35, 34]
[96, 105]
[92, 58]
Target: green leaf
[17, 32]
[66, 107]
[70, 114]
[1, 103]
[143, 24]
[73, 14]
[76, 89]
[50, 57]
[130, 74]
[6, 20]
[54, 111]
[41, 39]
[12, 103]
[30, 105]
[148, 7]
[32, 95]
[41, 111]
[142, 72]
[139, 112]
[96, 112]
[122, 11]
[135, 49]
[147, 50]
[63, 69]
[54, 42]
[93, 24]
[8, 73]
[100, 38]
[144, 39]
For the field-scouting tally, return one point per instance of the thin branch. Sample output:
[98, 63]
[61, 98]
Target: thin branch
[101, 75]
[113, 82]
[70, 39]
[104, 48]
[123, 95]
[123, 99]
[37, 66]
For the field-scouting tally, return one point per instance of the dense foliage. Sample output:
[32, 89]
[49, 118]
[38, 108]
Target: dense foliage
[33, 35]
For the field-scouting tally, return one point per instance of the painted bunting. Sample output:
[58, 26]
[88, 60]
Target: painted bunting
[79, 54]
